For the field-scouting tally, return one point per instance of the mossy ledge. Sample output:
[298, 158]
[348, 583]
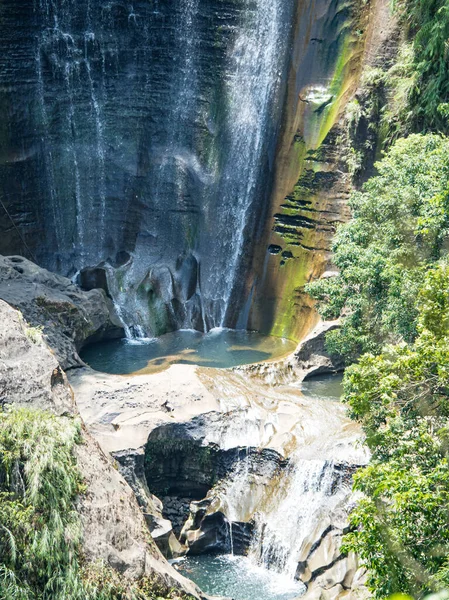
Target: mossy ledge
[313, 181]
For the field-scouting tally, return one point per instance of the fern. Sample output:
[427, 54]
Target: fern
[428, 24]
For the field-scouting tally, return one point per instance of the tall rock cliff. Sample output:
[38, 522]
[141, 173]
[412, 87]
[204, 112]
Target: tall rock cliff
[191, 148]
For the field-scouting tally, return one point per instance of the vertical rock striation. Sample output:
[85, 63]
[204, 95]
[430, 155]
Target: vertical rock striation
[192, 149]
[143, 133]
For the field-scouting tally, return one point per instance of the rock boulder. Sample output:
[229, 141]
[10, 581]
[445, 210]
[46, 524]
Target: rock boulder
[69, 316]
[114, 529]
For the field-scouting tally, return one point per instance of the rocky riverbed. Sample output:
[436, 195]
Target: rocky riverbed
[219, 460]
[219, 448]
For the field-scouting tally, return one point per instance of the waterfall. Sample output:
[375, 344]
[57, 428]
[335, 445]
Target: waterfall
[157, 125]
[287, 508]
[252, 82]
[307, 492]
[72, 125]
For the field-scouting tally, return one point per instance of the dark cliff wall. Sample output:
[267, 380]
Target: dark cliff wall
[191, 144]
[147, 127]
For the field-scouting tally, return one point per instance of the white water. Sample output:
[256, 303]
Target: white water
[292, 507]
[78, 191]
[287, 511]
[252, 82]
[304, 497]
[101, 152]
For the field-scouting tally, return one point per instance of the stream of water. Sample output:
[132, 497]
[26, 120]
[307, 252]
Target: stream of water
[288, 508]
[288, 514]
[237, 577]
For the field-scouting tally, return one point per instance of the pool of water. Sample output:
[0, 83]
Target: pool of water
[238, 578]
[219, 348]
[324, 387]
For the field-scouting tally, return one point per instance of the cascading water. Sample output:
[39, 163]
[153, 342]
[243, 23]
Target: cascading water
[229, 173]
[152, 133]
[252, 82]
[307, 493]
[289, 510]
[286, 504]
[286, 507]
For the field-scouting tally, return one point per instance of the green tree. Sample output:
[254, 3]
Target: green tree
[400, 221]
[401, 398]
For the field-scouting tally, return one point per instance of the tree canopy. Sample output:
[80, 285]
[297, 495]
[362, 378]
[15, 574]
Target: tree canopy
[401, 398]
[400, 222]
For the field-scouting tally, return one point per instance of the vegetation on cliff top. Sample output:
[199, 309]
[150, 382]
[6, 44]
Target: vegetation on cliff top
[392, 294]
[401, 398]
[427, 25]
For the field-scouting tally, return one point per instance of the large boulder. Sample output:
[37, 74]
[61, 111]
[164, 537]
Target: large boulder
[29, 373]
[69, 316]
[114, 528]
[310, 358]
[323, 568]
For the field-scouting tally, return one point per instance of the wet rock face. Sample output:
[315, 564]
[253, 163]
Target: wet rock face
[68, 316]
[209, 531]
[179, 463]
[182, 467]
[142, 127]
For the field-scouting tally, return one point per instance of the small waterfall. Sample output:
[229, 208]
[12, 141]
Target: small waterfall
[71, 126]
[306, 493]
[231, 539]
[289, 507]
[101, 154]
[126, 303]
[73, 129]
[237, 498]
